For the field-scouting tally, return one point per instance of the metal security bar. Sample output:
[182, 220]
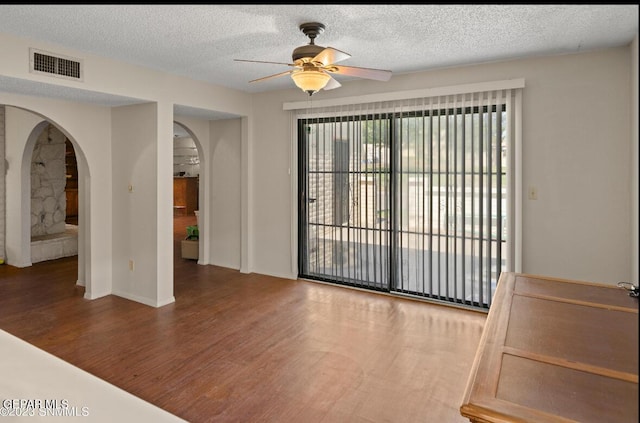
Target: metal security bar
[344, 200]
[413, 200]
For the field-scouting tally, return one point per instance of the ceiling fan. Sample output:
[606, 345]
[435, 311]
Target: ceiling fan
[314, 64]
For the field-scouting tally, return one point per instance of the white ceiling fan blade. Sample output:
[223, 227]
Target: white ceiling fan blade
[261, 61]
[368, 73]
[330, 55]
[271, 76]
[332, 84]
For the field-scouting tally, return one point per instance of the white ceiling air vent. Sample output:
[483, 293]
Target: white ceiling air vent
[55, 65]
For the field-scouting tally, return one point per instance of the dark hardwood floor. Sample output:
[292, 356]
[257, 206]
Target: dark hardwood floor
[240, 347]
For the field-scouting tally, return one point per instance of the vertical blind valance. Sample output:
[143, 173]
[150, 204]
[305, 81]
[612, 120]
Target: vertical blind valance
[390, 98]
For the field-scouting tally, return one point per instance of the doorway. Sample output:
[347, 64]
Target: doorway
[413, 203]
[53, 196]
[186, 196]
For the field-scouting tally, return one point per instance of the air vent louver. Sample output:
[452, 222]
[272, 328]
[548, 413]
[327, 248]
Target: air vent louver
[56, 65]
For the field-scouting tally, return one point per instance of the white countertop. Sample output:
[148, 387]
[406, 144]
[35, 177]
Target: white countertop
[44, 388]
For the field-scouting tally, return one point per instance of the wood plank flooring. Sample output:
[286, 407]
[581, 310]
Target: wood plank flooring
[252, 348]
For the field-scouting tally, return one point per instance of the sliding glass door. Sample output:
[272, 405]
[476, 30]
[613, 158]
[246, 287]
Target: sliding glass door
[345, 199]
[412, 201]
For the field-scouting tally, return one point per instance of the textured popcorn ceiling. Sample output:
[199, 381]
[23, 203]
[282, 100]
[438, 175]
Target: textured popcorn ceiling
[201, 41]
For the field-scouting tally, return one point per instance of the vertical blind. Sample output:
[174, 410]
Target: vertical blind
[409, 196]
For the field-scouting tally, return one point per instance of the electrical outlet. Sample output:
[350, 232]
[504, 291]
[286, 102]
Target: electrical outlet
[131, 265]
[533, 193]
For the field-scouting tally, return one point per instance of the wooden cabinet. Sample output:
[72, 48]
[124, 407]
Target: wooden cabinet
[555, 350]
[71, 184]
[72, 203]
[185, 196]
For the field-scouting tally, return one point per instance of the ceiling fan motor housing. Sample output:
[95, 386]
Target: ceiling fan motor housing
[311, 30]
[310, 51]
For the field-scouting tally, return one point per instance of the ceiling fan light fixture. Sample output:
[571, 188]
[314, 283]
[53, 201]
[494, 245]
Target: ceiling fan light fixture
[310, 80]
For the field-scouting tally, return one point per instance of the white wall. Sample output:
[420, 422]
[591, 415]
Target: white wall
[576, 147]
[134, 134]
[577, 140]
[225, 188]
[19, 126]
[271, 216]
[89, 127]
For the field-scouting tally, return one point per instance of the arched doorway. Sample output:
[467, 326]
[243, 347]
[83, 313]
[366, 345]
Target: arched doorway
[186, 196]
[23, 213]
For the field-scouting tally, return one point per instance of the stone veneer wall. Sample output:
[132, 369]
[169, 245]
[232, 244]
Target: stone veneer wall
[48, 180]
[3, 192]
